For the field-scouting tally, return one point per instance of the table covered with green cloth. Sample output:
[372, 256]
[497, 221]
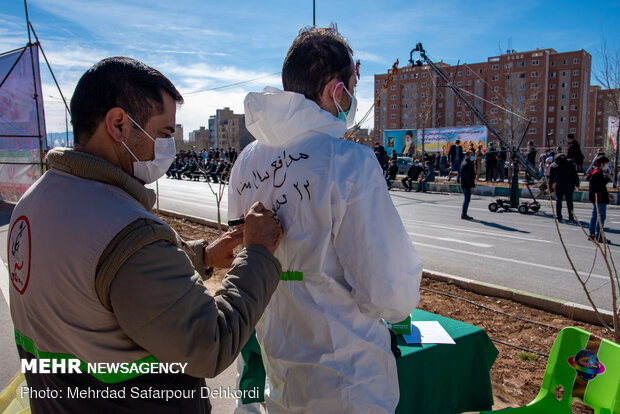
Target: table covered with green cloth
[448, 379]
[433, 378]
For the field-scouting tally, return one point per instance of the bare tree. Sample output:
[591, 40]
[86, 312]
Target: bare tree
[609, 78]
[425, 109]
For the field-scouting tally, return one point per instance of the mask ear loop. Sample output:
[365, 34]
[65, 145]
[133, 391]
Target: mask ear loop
[139, 127]
[338, 107]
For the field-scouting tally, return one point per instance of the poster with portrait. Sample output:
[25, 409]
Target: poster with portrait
[401, 140]
[440, 139]
[612, 133]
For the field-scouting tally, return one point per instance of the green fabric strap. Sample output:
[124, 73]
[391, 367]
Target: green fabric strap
[107, 377]
[290, 275]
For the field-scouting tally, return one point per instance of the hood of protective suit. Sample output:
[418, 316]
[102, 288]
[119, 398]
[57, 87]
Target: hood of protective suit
[275, 117]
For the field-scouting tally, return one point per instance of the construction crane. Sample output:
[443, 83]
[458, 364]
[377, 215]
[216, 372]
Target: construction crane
[517, 157]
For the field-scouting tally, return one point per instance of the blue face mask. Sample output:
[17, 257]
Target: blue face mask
[347, 116]
[473, 158]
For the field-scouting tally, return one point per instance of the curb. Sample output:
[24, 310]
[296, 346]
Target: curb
[194, 219]
[570, 310]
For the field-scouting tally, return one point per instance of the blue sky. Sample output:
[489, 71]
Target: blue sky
[208, 44]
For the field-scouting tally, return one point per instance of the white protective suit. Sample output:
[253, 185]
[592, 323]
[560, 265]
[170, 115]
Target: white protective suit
[324, 346]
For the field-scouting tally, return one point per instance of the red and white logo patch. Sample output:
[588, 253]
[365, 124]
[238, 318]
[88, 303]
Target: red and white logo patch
[19, 254]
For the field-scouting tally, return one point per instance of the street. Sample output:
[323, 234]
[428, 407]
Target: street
[504, 248]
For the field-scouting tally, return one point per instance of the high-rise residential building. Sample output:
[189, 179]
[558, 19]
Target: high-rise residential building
[199, 139]
[601, 110]
[540, 95]
[227, 130]
[178, 136]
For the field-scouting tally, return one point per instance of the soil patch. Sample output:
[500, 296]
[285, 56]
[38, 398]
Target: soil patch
[517, 374]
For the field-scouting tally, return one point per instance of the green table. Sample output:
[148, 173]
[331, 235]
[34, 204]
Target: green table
[433, 378]
[446, 378]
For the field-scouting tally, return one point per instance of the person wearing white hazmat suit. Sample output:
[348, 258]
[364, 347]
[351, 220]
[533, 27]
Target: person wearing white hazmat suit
[346, 257]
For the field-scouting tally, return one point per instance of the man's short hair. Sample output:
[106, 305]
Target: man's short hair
[571, 136]
[410, 133]
[118, 82]
[601, 160]
[317, 56]
[458, 141]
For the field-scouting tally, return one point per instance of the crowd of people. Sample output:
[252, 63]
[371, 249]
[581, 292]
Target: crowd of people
[213, 165]
[561, 169]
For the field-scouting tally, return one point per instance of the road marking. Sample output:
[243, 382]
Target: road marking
[505, 259]
[452, 240]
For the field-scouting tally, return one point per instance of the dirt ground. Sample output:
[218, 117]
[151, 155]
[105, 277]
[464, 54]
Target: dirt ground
[517, 374]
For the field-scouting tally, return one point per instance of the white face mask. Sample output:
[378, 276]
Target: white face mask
[347, 116]
[150, 171]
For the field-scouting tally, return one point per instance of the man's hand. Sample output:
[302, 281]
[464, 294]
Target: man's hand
[261, 228]
[220, 252]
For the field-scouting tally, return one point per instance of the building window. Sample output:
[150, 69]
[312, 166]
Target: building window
[534, 74]
[459, 84]
[534, 85]
[551, 97]
[392, 126]
[393, 97]
[423, 85]
[392, 106]
[493, 121]
[575, 84]
[495, 88]
[521, 75]
[534, 97]
[573, 107]
[574, 96]
[576, 61]
[493, 110]
[565, 61]
[459, 123]
[522, 87]
[509, 99]
[521, 64]
[439, 105]
[532, 131]
[534, 119]
[393, 116]
[423, 74]
[553, 63]
[521, 98]
[458, 114]
[551, 108]
[480, 71]
[494, 99]
[458, 103]
[550, 120]
[377, 82]
[532, 108]
[573, 130]
[393, 87]
[459, 73]
[576, 72]
[554, 74]
[564, 96]
[564, 84]
[573, 119]
[495, 77]
[564, 73]
[562, 119]
[563, 108]
[511, 76]
[552, 86]
[405, 116]
[508, 65]
[469, 83]
[535, 62]
[422, 94]
[467, 113]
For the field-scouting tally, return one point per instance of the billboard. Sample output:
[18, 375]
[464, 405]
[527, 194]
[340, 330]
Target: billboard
[22, 122]
[612, 133]
[401, 140]
[435, 139]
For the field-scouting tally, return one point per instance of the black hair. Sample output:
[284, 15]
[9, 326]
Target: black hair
[317, 56]
[410, 133]
[117, 82]
[601, 160]
[571, 136]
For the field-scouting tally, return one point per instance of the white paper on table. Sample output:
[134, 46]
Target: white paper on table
[428, 332]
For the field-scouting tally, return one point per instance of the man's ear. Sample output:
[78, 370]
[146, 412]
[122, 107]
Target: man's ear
[116, 123]
[333, 89]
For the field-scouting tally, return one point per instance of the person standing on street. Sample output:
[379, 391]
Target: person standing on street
[455, 156]
[324, 346]
[574, 152]
[563, 179]
[599, 197]
[98, 278]
[468, 182]
[491, 157]
[501, 162]
[478, 158]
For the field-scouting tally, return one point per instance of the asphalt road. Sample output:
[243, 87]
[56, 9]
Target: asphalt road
[504, 248]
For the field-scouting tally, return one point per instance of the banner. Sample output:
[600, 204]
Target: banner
[407, 141]
[612, 134]
[22, 122]
[401, 140]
